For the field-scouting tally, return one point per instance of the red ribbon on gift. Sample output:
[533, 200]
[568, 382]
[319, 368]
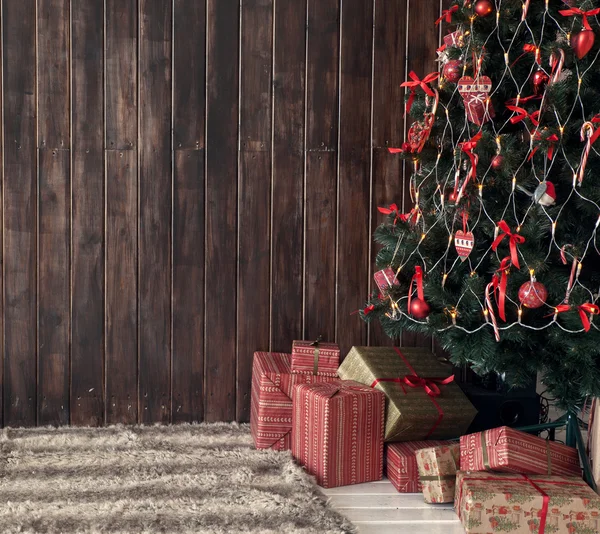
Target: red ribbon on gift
[416, 82]
[523, 114]
[447, 15]
[429, 385]
[514, 240]
[418, 280]
[553, 139]
[585, 14]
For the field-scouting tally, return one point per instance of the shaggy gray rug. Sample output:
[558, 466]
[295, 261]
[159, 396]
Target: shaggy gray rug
[193, 478]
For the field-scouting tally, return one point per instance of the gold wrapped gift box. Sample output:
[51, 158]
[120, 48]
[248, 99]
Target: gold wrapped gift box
[422, 401]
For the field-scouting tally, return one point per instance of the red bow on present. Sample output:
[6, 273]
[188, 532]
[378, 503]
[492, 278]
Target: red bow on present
[515, 239]
[552, 139]
[585, 14]
[447, 15]
[416, 82]
[430, 385]
[523, 114]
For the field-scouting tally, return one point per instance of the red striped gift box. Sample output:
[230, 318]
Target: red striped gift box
[402, 469]
[315, 357]
[338, 432]
[271, 401]
[507, 450]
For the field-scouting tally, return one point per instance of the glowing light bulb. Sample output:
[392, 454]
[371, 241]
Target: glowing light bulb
[520, 313]
[579, 267]
[518, 229]
[506, 58]
[562, 129]
[423, 237]
[444, 278]
[514, 183]
[480, 186]
[453, 315]
[553, 228]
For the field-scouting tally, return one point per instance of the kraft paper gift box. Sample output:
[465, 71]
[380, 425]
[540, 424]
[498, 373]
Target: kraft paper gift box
[507, 450]
[271, 400]
[437, 472]
[402, 470]
[315, 357]
[423, 402]
[338, 432]
[525, 504]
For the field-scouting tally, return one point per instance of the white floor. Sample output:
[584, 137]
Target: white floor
[376, 507]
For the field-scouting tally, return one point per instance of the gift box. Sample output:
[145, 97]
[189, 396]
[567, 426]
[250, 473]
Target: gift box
[315, 357]
[437, 472]
[593, 444]
[402, 469]
[508, 450]
[385, 279]
[525, 504]
[271, 400]
[423, 402]
[338, 432]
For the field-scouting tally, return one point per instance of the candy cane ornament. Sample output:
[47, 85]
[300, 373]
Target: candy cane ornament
[590, 135]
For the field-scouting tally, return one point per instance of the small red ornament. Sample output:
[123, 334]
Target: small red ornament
[582, 42]
[533, 294]
[419, 309]
[484, 8]
[539, 80]
[497, 162]
[453, 70]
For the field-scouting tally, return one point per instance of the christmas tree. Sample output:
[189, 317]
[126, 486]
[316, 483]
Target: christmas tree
[496, 251]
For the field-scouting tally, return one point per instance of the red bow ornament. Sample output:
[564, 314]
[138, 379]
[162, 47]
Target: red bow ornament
[423, 84]
[585, 14]
[522, 114]
[467, 147]
[447, 15]
[583, 310]
[551, 139]
[514, 240]
[391, 209]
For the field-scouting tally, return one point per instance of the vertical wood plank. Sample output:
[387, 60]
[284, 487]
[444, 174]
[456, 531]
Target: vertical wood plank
[155, 210]
[254, 192]
[87, 185]
[20, 214]
[288, 174]
[189, 50]
[354, 170]
[388, 120]
[221, 208]
[421, 58]
[121, 186]
[321, 167]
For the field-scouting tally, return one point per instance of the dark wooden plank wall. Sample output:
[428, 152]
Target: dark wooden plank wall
[174, 197]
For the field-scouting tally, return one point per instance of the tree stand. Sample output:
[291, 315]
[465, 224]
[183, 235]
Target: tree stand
[573, 439]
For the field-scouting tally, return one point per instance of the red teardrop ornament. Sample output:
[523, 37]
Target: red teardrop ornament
[582, 42]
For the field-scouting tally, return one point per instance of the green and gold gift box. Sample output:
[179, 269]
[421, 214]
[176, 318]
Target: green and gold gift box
[423, 402]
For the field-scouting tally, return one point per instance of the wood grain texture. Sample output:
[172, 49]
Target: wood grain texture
[155, 190]
[121, 363]
[121, 24]
[254, 193]
[288, 174]
[221, 208]
[188, 286]
[87, 186]
[321, 167]
[54, 290]
[354, 171]
[388, 122]
[189, 73]
[20, 213]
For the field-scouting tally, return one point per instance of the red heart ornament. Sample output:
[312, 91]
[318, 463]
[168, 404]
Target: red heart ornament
[464, 242]
[582, 42]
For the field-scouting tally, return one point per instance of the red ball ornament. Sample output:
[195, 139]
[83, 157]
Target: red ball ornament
[533, 294]
[497, 162]
[582, 42]
[453, 70]
[419, 309]
[539, 80]
[484, 8]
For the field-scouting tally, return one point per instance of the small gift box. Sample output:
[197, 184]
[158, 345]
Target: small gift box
[271, 400]
[385, 279]
[315, 357]
[338, 432]
[508, 450]
[525, 504]
[402, 469]
[437, 472]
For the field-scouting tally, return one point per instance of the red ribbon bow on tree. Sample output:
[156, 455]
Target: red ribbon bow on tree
[447, 15]
[405, 148]
[467, 147]
[523, 114]
[391, 209]
[368, 309]
[416, 82]
[583, 310]
[552, 140]
[514, 240]
[585, 14]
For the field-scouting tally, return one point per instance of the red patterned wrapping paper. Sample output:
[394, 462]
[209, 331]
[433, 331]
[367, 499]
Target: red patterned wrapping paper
[316, 358]
[271, 401]
[525, 504]
[385, 279]
[508, 450]
[437, 472]
[338, 432]
[402, 469]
